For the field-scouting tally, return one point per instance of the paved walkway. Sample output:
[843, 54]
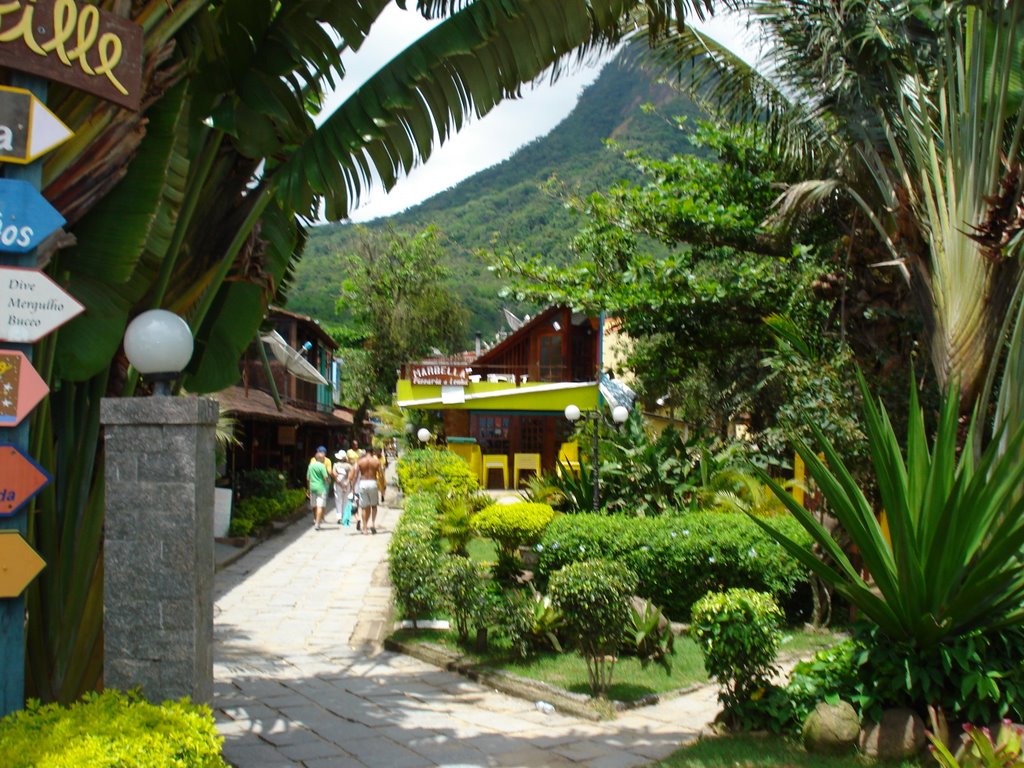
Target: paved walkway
[301, 680]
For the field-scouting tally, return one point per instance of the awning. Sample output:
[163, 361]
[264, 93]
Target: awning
[486, 396]
[258, 405]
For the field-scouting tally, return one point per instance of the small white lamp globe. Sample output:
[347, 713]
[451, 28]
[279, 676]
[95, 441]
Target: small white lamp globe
[408, 429]
[158, 341]
[619, 414]
[572, 412]
[423, 434]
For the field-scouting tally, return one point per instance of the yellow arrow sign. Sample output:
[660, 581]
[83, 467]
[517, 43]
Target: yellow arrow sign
[19, 564]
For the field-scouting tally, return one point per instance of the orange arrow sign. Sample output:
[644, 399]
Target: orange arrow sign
[21, 389]
[20, 479]
[19, 564]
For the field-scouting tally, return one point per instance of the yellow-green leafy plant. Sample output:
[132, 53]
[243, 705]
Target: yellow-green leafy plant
[111, 729]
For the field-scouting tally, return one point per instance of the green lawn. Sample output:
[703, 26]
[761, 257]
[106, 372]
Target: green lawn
[630, 681]
[746, 751]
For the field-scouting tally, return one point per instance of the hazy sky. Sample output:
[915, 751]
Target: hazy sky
[485, 142]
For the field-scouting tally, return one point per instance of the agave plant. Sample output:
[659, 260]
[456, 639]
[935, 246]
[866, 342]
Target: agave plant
[952, 561]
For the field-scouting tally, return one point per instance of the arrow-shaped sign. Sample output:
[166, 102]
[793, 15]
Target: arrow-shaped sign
[27, 128]
[20, 479]
[26, 217]
[32, 305]
[19, 564]
[21, 388]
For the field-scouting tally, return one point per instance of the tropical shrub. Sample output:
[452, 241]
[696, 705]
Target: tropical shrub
[680, 558]
[414, 560]
[592, 596]
[108, 729]
[979, 750]
[950, 564]
[977, 678]
[464, 587]
[738, 633]
[455, 523]
[262, 483]
[649, 634]
[438, 471]
[663, 465]
[531, 622]
[253, 513]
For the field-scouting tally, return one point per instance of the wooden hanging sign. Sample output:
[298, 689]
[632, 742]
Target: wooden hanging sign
[20, 479]
[27, 128]
[21, 387]
[19, 564]
[79, 45]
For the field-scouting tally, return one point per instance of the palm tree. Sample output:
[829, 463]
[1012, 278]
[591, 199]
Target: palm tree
[915, 112]
[197, 204]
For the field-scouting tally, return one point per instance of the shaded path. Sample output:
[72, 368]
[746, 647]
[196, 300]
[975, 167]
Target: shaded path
[300, 679]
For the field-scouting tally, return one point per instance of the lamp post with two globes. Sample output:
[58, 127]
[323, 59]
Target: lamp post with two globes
[619, 415]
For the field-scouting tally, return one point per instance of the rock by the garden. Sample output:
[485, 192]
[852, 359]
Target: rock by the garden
[898, 735]
[831, 729]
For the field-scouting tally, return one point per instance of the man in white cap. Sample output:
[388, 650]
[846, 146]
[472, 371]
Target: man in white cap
[318, 481]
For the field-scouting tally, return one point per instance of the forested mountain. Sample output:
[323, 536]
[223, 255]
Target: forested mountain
[506, 204]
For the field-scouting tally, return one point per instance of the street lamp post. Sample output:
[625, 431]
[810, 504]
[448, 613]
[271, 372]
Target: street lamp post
[619, 415]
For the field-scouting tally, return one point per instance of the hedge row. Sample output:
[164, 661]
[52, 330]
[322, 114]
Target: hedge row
[436, 471]
[679, 559]
[415, 557]
[252, 513]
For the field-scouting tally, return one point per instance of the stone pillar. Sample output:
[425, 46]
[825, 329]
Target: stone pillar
[158, 555]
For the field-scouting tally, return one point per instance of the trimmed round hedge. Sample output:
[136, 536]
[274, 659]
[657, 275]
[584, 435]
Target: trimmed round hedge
[679, 559]
[513, 525]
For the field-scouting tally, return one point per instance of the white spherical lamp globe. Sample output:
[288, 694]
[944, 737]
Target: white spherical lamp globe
[423, 434]
[619, 414]
[158, 341]
[572, 412]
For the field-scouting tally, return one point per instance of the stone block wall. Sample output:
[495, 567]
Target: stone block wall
[158, 546]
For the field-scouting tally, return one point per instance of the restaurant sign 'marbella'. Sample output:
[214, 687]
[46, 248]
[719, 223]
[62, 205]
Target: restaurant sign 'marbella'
[78, 45]
[441, 373]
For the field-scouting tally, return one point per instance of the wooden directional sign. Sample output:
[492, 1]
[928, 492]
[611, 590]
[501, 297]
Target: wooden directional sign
[32, 305]
[26, 218]
[21, 388]
[79, 45]
[20, 479]
[27, 128]
[19, 564]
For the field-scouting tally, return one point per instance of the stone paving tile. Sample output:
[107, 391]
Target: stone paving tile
[313, 747]
[380, 751]
[255, 755]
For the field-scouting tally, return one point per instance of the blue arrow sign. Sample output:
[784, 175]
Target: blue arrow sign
[26, 218]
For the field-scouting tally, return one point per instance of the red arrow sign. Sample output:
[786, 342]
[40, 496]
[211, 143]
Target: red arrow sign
[21, 388]
[20, 479]
[33, 305]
